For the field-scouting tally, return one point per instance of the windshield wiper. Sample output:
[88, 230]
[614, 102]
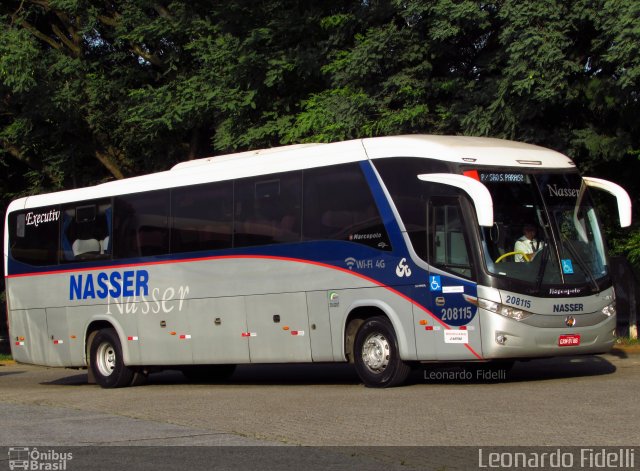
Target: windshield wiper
[543, 267]
[585, 268]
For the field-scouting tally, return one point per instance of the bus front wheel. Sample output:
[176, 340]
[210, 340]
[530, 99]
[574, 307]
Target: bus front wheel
[106, 362]
[377, 358]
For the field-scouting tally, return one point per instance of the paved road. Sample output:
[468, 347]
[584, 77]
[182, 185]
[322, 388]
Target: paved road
[577, 401]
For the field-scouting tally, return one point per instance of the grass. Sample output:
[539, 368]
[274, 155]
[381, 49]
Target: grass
[4, 357]
[627, 341]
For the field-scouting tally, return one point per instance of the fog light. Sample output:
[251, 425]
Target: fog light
[501, 339]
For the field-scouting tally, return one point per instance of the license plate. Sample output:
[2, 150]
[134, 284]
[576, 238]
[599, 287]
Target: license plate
[570, 340]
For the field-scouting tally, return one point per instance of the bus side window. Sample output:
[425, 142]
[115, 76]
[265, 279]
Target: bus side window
[141, 224]
[268, 209]
[86, 231]
[33, 236]
[338, 205]
[448, 245]
[202, 217]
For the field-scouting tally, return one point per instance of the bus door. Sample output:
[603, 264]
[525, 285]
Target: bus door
[320, 303]
[28, 331]
[218, 325]
[164, 332]
[278, 328]
[59, 340]
[450, 281]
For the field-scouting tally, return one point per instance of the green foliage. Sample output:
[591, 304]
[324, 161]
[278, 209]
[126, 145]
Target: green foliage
[18, 59]
[95, 90]
[629, 245]
[332, 115]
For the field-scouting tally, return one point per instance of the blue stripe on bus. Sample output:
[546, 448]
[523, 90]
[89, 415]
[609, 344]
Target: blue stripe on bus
[385, 268]
[313, 251]
[413, 289]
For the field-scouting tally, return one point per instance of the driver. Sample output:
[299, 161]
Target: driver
[527, 245]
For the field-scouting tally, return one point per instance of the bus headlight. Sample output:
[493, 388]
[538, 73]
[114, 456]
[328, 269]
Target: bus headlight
[609, 310]
[506, 311]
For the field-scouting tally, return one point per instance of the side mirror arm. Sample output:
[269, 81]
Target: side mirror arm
[478, 193]
[622, 197]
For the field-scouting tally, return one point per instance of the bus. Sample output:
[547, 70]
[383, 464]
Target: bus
[383, 252]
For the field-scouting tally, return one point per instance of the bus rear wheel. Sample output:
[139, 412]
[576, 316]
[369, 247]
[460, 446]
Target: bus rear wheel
[377, 357]
[106, 362]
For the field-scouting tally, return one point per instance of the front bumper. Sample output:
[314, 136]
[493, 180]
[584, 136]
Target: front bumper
[522, 340]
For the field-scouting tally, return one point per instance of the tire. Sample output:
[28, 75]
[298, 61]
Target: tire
[377, 358]
[208, 373]
[106, 360]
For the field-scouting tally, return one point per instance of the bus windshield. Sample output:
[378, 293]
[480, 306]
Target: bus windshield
[545, 231]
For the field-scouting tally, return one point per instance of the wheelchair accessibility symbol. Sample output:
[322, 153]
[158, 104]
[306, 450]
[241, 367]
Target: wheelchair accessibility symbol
[567, 266]
[434, 283]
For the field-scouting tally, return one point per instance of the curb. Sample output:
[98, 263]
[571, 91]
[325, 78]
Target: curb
[628, 349]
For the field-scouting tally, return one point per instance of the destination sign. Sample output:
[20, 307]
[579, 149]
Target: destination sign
[501, 177]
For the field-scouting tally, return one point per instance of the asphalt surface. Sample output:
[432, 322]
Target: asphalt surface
[269, 410]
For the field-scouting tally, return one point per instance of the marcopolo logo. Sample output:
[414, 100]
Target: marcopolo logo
[34, 459]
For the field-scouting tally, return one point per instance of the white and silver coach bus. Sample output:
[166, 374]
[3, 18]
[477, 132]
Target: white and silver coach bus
[384, 252]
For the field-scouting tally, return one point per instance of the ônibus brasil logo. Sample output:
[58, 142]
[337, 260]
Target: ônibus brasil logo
[34, 459]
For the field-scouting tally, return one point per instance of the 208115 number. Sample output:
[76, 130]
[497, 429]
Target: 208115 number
[457, 313]
[519, 302]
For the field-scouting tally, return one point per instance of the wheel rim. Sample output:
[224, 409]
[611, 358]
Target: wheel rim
[106, 359]
[375, 352]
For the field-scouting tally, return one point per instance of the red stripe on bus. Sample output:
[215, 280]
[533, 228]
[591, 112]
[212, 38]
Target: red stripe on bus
[479, 357]
[259, 257]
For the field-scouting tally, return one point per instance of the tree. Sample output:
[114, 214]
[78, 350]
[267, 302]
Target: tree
[95, 90]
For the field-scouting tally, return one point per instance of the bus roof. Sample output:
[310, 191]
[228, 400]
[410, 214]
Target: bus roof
[480, 151]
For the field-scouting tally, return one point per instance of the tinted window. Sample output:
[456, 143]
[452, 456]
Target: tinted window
[202, 217]
[268, 209]
[141, 225]
[33, 235]
[86, 231]
[338, 205]
[448, 246]
[410, 195]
